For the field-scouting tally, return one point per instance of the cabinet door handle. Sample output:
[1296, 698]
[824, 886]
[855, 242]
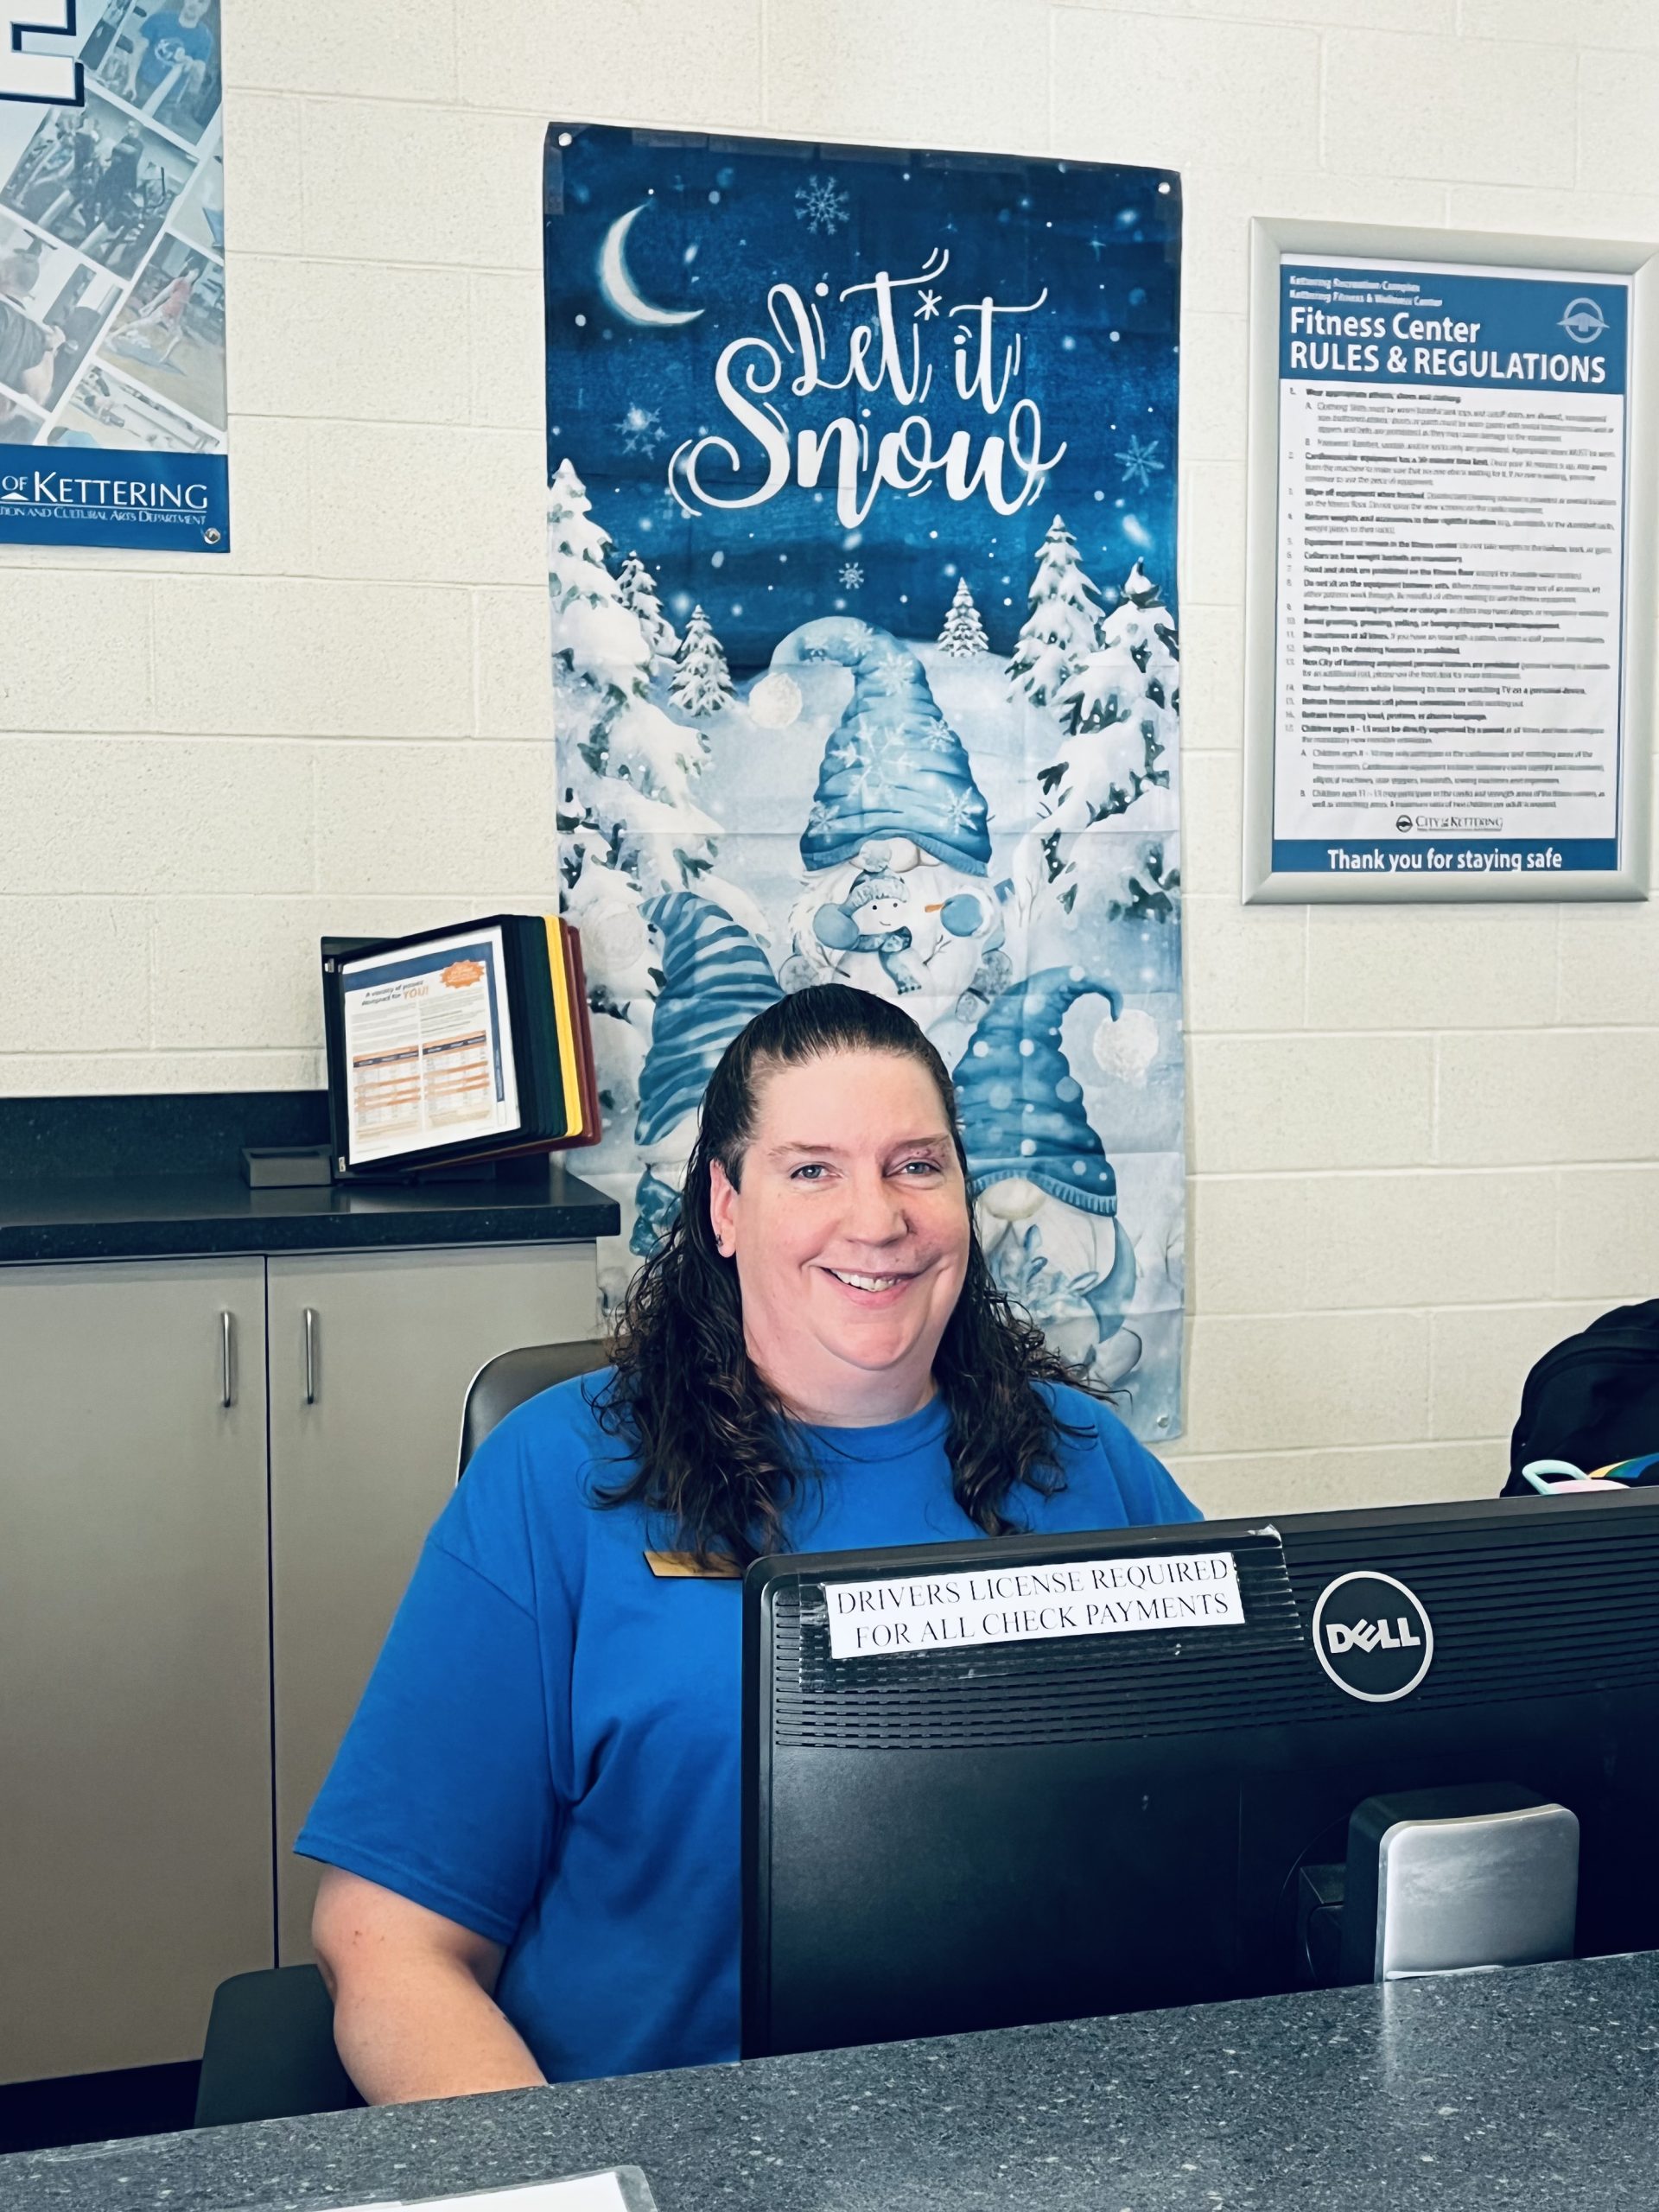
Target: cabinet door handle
[310, 1355]
[227, 1359]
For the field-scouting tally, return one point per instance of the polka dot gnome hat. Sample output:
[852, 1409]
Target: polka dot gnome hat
[893, 766]
[714, 979]
[1021, 1107]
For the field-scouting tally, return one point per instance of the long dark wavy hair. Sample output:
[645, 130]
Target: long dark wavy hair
[708, 1434]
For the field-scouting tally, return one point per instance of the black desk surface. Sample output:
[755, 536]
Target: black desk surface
[153, 1175]
[1536, 2088]
[126, 1216]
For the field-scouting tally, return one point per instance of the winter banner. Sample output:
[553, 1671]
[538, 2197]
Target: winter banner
[862, 557]
[112, 419]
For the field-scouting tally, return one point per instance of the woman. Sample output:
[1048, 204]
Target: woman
[165, 315]
[531, 1828]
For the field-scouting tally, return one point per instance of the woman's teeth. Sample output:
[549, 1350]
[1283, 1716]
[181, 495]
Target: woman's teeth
[866, 1282]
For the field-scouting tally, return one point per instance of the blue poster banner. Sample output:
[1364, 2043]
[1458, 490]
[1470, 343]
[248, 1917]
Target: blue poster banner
[866, 666]
[112, 413]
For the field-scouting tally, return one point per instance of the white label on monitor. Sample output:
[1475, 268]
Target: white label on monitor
[1021, 1605]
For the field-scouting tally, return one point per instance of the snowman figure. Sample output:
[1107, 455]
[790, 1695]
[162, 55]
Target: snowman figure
[1046, 1193]
[896, 846]
[714, 979]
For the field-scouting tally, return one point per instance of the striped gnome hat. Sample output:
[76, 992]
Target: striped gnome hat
[714, 979]
[893, 766]
[1021, 1107]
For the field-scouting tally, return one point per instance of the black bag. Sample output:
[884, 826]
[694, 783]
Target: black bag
[1592, 1400]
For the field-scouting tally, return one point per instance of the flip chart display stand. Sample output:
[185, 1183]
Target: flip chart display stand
[1450, 587]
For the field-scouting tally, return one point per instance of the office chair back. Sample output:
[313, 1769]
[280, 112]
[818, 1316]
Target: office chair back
[269, 2050]
[507, 1381]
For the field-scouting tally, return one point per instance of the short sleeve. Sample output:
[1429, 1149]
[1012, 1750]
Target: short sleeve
[443, 1788]
[1152, 1496]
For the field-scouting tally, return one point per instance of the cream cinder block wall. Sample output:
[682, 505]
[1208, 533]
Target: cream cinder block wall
[1423, 1141]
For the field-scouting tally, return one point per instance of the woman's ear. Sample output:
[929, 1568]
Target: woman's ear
[722, 1209]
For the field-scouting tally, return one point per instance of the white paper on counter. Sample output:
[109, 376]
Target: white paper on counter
[621, 2188]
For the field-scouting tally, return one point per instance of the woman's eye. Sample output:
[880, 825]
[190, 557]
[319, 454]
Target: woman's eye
[921, 1167]
[812, 1171]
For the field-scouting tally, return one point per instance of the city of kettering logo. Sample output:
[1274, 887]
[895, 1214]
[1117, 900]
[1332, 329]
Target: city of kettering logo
[1583, 321]
[1403, 824]
[1372, 1636]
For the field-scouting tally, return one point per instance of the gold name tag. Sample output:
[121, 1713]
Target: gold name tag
[684, 1566]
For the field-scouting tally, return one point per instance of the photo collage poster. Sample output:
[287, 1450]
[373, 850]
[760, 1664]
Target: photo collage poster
[866, 667]
[112, 289]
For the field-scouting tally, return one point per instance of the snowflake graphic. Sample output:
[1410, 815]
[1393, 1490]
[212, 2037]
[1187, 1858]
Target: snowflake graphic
[929, 307]
[819, 819]
[640, 429]
[964, 810]
[822, 206]
[851, 576]
[935, 738]
[1140, 461]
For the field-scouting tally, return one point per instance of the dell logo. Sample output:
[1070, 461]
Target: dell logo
[1372, 1636]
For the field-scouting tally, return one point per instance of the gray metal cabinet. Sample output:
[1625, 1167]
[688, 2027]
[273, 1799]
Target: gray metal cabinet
[371, 1353]
[135, 1753]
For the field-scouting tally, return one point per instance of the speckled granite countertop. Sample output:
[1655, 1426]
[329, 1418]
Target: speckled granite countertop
[1539, 2086]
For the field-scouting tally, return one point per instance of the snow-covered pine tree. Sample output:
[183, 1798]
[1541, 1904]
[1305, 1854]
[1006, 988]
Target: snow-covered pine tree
[1063, 625]
[1122, 711]
[1156, 898]
[637, 589]
[629, 827]
[702, 682]
[964, 634]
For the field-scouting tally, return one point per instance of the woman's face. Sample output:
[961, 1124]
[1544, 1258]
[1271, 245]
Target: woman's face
[851, 1234]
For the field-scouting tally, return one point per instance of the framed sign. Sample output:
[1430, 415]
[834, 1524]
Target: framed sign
[1451, 598]
[113, 425]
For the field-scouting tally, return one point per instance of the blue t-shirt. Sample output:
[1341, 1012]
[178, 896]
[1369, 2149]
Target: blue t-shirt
[548, 1749]
[167, 42]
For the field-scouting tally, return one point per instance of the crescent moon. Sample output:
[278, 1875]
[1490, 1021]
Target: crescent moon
[618, 287]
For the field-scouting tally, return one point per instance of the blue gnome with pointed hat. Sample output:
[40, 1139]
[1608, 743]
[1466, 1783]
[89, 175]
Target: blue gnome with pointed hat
[714, 979]
[897, 845]
[1044, 1192]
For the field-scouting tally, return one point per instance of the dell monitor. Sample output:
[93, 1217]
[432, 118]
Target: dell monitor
[997, 1782]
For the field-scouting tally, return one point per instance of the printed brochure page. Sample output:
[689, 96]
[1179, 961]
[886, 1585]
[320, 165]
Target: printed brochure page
[429, 1048]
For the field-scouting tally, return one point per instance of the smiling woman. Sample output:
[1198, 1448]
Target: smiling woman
[532, 1826]
[824, 1269]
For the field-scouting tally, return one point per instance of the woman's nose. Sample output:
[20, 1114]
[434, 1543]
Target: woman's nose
[876, 1213]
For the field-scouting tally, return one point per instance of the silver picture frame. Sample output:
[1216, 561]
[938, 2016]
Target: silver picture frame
[1271, 238]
